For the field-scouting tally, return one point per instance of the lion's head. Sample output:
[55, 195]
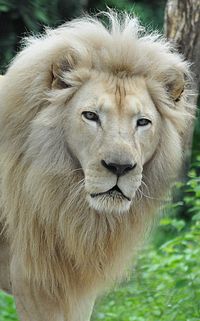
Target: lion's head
[92, 124]
[112, 129]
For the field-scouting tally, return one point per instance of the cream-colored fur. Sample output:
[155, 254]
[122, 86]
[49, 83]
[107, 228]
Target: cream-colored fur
[68, 241]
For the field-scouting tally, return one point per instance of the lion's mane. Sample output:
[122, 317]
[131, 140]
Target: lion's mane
[61, 241]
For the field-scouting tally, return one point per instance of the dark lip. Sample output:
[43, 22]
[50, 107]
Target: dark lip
[114, 188]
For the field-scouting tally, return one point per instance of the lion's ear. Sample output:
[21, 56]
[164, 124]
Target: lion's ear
[58, 70]
[174, 82]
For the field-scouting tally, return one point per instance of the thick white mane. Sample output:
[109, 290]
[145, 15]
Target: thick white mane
[123, 45]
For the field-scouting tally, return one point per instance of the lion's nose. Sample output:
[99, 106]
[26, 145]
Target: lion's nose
[118, 169]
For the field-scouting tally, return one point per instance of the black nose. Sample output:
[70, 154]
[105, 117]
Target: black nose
[118, 169]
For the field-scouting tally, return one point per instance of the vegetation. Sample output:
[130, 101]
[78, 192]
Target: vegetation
[165, 284]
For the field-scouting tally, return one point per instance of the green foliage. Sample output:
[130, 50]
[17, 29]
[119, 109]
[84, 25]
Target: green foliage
[192, 191]
[7, 308]
[165, 285]
[150, 15]
[189, 207]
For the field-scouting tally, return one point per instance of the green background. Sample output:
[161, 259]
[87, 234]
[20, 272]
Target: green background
[165, 283]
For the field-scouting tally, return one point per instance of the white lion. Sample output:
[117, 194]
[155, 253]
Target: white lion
[91, 127]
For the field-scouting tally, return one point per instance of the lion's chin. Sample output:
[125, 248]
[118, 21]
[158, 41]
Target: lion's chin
[109, 204]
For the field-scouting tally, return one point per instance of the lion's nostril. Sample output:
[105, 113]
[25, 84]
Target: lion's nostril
[118, 169]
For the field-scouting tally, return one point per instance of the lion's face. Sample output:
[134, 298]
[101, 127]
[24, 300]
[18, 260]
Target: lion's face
[113, 130]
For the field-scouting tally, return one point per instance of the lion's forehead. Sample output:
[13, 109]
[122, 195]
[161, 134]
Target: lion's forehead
[115, 96]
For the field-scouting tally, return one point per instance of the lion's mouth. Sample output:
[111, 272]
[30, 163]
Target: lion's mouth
[114, 191]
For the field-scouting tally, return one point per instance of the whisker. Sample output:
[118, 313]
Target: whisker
[139, 192]
[76, 169]
[143, 184]
[79, 185]
[75, 191]
[146, 178]
[150, 197]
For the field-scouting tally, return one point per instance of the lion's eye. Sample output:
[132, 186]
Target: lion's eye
[89, 115]
[143, 122]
